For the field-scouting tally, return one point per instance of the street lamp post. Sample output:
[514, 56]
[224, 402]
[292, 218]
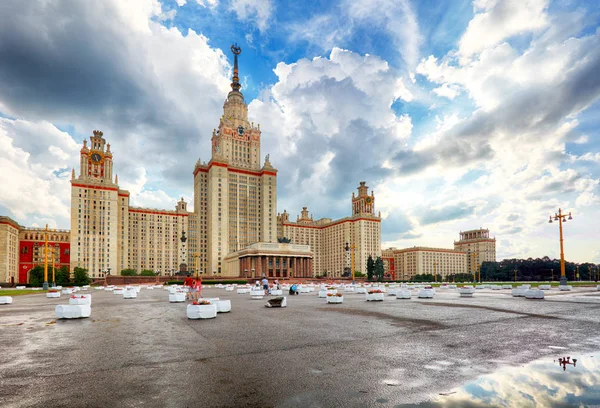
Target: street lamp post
[53, 274]
[45, 286]
[349, 248]
[560, 217]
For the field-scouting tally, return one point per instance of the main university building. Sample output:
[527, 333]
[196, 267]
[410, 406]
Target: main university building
[234, 228]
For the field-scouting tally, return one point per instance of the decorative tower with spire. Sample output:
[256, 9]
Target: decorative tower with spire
[235, 194]
[236, 140]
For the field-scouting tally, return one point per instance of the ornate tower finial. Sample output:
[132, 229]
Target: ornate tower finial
[235, 84]
[73, 174]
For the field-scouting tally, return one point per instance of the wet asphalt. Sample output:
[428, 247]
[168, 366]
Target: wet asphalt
[144, 352]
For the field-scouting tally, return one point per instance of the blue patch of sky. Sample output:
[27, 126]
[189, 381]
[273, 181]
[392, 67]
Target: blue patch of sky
[6, 116]
[62, 171]
[441, 24]
[6, 212]
[471, 176]
[72, 131]
[589, 121]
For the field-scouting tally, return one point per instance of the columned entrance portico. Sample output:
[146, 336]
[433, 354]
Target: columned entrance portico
[273, 260]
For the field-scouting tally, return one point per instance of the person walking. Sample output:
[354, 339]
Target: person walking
[265, 283]
[198, 287]
[187, 283]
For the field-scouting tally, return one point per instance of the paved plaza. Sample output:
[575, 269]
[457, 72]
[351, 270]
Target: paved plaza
[145, 352]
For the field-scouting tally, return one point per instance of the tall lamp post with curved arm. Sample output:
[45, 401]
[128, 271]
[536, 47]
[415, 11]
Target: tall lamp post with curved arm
[560, 217]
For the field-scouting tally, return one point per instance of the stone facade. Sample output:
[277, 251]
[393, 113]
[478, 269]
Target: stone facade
[107, 233]
[273, 260]
[327, 238]
[9, 250]
[479, 247]
[31, 249]
[442, 262]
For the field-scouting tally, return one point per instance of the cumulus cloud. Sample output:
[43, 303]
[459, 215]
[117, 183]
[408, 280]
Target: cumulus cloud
[33, 177]
[330, 120]
[496, 20]
[256, 11]
[155, 92]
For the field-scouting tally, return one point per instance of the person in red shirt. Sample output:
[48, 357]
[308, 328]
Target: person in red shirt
[197, 288]
[187, 282]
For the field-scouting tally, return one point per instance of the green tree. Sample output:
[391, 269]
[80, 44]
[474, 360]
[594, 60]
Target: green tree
[379, 269]
[62, 276]
[129, 272]
[36, 276]
[370, 268]
[80, 276]
[147, 272]
[358, 274]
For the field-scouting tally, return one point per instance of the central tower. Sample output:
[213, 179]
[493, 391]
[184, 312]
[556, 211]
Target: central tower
[235, 198]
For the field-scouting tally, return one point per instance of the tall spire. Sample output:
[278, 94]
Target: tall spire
[235, 84]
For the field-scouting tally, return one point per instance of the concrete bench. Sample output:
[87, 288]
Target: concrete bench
[201, 311]
[130, 294]
[72, 311]
[257, 294]
[6, 300]
[426, 293]
[403, 294]
[374, 297]
[519, 292]
[534, 294]
[223, 306]
[466, 292]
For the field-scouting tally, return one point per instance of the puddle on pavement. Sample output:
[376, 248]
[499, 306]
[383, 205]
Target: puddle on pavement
[543, 383]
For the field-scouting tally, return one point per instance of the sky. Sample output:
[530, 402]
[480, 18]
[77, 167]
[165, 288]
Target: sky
[458, 114]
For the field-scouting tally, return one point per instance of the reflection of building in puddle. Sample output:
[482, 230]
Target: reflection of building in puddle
[538, 384]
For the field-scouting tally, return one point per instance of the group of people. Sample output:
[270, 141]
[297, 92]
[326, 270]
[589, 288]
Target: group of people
[265, 285]
[195, 288]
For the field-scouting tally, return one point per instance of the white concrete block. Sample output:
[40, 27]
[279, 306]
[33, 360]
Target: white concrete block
[201, 311]
[6, 300]
[72, 311]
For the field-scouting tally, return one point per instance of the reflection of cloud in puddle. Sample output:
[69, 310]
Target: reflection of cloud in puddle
[541, 384]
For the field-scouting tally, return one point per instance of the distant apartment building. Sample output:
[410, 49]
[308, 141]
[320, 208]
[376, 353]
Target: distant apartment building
[9, 250]
[479, 247]
[389, 263]
[22, 248]
[31, 249]
[327, 238]
[442, 262]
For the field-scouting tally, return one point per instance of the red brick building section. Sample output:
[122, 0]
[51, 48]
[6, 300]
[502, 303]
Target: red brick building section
[31, 250]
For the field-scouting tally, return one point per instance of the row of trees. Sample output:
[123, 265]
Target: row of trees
[133, 272]
[375, 269]
[539, 269]
[62, 277]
